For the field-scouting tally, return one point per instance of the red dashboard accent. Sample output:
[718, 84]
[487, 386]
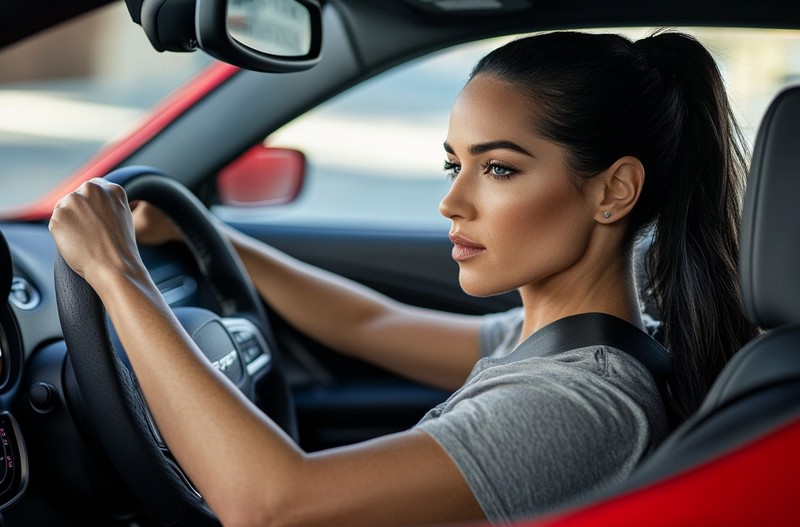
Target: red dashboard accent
[109, 157]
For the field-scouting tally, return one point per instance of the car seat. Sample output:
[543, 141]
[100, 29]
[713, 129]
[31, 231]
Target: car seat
[737, 460]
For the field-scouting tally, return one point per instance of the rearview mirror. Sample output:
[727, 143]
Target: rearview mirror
[277, 27]
[262, 35]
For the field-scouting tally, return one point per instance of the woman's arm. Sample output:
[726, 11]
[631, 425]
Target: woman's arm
[430, 346]
[254, 474]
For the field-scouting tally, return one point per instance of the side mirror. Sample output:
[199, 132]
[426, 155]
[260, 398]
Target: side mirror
[262, 35]
[261, 177]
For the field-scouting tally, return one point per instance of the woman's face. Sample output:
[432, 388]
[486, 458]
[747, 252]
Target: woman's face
[518, 220]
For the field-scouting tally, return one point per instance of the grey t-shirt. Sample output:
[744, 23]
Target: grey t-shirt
[532, 431]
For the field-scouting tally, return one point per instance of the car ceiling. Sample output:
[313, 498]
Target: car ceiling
[21, 18]
[594, 13]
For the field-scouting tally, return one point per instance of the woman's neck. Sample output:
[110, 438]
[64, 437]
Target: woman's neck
[608, 288]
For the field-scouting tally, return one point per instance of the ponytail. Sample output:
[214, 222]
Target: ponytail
[661, 100]
[693, 261]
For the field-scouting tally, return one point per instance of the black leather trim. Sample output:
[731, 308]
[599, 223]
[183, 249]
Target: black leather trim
[770, 252]
[769, 360]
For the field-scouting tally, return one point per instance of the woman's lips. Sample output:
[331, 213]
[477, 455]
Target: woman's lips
[464, 248]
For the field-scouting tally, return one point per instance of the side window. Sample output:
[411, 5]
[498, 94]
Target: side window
[374, 153]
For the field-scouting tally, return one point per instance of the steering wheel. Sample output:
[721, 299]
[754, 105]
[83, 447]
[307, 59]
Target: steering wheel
[237, 341]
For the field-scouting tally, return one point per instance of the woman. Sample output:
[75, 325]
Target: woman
[563, 148]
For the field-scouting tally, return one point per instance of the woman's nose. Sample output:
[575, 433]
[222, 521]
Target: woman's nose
[456, 202]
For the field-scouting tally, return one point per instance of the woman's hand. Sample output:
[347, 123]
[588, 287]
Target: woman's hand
[93, 229]
[152, 226]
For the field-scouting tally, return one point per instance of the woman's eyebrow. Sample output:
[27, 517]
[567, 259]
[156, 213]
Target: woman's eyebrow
[491, 145]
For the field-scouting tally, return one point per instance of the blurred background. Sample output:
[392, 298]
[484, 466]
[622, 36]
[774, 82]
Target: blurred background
[67, 93]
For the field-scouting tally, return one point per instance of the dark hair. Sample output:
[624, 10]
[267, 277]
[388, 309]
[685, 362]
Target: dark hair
[662, 100]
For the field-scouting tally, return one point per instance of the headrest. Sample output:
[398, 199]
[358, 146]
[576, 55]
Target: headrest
[770, 246]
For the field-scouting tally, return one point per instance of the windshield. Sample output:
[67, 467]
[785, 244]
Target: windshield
[67, 92]
[358, 143]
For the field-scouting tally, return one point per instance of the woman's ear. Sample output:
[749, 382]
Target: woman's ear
[619, 189]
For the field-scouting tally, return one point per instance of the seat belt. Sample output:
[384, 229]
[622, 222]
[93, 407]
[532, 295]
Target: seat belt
[600, 329]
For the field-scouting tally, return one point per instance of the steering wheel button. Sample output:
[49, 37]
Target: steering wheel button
[250, 353]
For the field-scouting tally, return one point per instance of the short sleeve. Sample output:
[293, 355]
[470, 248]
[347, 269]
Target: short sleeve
[538, 435]
[499, 332]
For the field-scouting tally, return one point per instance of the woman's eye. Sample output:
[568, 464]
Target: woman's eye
[499, 170]
[452, 169]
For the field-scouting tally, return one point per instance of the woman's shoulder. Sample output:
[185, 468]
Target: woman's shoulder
[607, 376]
[554, 355]
[579, 364]
[524, 411]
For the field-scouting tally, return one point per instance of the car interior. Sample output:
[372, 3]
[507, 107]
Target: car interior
[79, 445]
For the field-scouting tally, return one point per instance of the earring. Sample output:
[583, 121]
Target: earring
[607, 214]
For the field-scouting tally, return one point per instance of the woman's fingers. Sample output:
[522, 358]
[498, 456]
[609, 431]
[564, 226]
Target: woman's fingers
[152, 226]
[93, 230]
